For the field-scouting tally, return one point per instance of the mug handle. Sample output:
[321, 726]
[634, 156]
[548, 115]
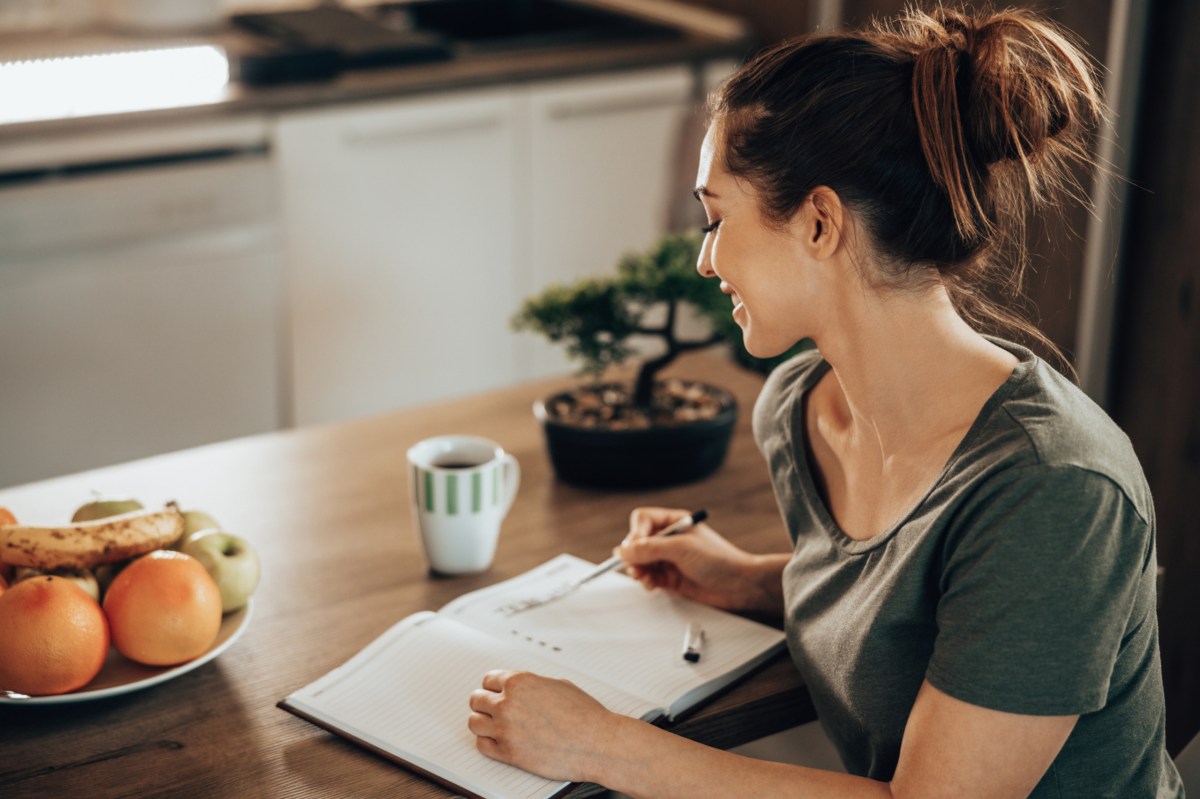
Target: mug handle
[512, 479]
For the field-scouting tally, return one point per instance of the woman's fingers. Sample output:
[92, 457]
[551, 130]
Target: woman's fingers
[483, 701]
[481, 724]
[494, 680]
[488, 747]
[646, 521]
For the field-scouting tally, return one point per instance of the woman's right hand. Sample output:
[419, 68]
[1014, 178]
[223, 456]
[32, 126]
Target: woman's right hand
[700, 564]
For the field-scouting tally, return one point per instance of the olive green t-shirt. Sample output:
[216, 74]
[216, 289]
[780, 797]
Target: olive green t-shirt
[1023, 581]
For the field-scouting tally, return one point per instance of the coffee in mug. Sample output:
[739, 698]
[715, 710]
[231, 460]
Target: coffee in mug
[461, 488]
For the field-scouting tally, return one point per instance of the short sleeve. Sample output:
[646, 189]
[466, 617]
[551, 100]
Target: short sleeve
[1039, 581]
[773, 403]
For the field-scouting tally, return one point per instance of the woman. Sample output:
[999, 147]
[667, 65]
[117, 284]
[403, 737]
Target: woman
[970, 593]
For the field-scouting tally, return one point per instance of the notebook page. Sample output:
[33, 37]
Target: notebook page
[617, 631]
[406, 694]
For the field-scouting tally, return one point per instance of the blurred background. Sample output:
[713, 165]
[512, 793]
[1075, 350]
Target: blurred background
[221, 218]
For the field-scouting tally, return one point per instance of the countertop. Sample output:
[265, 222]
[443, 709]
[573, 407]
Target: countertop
[705, 36]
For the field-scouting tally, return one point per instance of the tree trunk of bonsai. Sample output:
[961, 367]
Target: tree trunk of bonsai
[643, 389]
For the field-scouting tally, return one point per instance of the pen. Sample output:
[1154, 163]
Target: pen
[675, 528]
[693, 643]
[691, 520]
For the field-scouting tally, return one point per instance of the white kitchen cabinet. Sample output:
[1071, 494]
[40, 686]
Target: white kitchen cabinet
[401, 223]
[610, 159]
[139, 309]
[417, 227]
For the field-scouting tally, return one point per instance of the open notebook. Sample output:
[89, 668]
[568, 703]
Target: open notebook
[405, 695]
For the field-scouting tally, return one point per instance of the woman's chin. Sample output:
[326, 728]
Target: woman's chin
[764, 348]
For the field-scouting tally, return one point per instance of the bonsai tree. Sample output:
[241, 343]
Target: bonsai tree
[595, 318]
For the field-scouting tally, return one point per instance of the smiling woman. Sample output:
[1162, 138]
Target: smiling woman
[970, 592]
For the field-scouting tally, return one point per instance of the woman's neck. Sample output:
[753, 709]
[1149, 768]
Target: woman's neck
[909, 372]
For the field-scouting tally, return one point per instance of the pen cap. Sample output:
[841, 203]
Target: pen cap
[693, 642]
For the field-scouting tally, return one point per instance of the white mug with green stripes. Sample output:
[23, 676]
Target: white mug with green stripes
[461, 490]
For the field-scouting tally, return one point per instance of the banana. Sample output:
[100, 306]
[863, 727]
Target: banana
[85, 545]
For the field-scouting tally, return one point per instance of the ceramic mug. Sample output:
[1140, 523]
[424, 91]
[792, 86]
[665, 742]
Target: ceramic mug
[461, 488]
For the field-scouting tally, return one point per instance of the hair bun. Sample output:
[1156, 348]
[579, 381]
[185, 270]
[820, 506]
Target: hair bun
[1006, 86]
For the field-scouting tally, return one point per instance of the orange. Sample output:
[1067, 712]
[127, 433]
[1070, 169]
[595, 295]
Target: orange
[53, 637]
[163, 609]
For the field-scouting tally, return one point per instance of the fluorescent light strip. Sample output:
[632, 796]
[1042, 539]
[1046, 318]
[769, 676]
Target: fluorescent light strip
[112, 83]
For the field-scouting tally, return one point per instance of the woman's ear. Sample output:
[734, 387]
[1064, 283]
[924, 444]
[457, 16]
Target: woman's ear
[820, 223]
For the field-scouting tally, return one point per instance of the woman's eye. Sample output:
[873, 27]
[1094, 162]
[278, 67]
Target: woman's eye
[710, 228]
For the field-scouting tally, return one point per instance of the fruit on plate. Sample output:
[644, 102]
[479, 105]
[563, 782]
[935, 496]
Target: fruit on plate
[105, 508]
[230, 561]
[81, 577]
[196, 520]
[163, 609]
[6, 517]
[55, 637]
[106, 572]
[85, 545]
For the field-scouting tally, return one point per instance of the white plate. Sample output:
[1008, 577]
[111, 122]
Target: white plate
[120, 675]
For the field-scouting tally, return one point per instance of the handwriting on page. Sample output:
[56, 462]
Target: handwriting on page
[613, 629]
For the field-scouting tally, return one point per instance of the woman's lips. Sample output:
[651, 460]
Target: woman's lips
[737, 301]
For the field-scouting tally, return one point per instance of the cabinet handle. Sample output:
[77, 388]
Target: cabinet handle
[616, 105]
[367, 137]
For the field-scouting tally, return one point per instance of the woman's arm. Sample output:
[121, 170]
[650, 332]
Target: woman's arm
[950, 749]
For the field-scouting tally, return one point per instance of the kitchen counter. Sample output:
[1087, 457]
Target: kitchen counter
[705, 36]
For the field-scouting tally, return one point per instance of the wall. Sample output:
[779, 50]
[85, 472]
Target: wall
[1157, 375]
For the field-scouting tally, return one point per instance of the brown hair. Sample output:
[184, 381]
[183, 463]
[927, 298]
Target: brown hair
[939, 130]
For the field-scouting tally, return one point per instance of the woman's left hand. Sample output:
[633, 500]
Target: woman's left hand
[546, 726]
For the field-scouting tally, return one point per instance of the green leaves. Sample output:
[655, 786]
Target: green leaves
[590, 317]
[594, 318]
[665, 273]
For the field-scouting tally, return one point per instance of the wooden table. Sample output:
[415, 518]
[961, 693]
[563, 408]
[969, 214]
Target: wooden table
[327, 509]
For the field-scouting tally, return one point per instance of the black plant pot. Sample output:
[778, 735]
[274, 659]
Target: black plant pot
[653, 457]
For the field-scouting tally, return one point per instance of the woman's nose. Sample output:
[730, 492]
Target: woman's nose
[703, 261]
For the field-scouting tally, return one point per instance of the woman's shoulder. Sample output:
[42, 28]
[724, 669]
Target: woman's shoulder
[1046, 424]
[784, 387]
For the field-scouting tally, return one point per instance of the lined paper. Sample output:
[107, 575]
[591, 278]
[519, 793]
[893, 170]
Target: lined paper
[615, 630]
[406, 693]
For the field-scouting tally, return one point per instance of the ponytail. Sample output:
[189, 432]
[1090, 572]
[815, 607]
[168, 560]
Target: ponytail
[1006, 87]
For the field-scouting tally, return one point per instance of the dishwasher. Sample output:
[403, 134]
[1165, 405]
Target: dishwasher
[140, 297]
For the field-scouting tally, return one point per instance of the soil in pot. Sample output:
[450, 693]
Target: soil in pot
[598, 438]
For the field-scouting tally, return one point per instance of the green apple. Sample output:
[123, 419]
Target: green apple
[196, 520]
[103, 508]
[230, 561]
